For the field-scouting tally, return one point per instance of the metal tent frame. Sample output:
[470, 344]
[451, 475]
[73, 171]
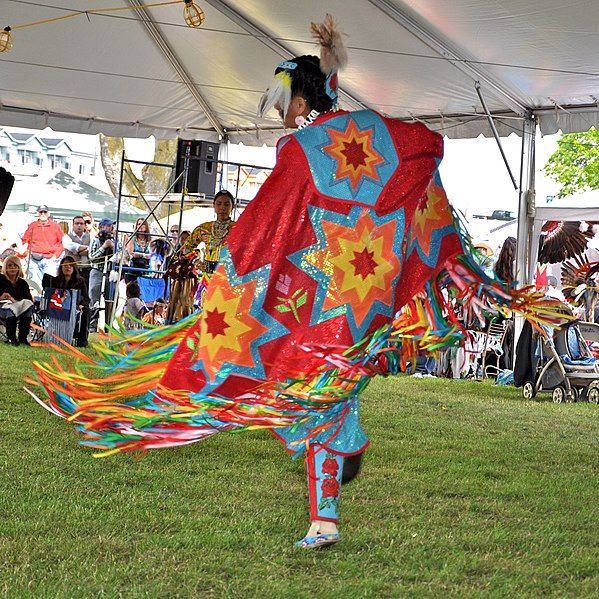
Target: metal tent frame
[184, 199]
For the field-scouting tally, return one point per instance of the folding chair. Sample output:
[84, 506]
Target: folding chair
[493, 342]
[37, 331]
[59, 307]
[151, 290]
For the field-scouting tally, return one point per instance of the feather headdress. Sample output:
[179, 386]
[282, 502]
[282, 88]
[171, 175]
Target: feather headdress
[563, 239]
[333, 56]
[577, 276]
[279, 92]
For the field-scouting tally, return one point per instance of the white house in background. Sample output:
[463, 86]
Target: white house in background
[27, 153]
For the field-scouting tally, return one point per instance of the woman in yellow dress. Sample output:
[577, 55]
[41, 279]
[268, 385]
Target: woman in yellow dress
[198, 258]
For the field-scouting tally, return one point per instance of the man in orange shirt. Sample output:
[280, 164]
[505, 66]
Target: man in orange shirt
[43, 241]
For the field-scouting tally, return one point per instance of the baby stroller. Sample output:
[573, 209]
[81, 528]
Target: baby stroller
[560, 363]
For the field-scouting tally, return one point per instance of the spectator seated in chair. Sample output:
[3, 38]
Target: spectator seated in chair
[157, 315]
[16, 303]
[425, 366]
[134, 307]
[68, 277]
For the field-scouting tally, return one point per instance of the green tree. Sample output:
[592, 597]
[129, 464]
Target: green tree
[575, 163]
[154, 180]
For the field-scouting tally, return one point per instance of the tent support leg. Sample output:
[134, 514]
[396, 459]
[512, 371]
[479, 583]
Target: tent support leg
[525, 261]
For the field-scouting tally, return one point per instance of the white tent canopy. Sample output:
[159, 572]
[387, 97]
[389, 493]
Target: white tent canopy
[142, 72]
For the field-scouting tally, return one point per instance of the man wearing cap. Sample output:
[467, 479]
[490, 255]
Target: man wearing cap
[43, 241]
[101, 249]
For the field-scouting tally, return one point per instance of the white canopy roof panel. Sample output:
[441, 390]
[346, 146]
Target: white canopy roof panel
[142, 72]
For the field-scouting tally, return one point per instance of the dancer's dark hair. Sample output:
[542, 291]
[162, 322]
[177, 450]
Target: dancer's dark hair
[228, 194]
[309, 82]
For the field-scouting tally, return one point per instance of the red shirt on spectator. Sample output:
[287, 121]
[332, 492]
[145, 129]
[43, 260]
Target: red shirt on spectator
[44, 238]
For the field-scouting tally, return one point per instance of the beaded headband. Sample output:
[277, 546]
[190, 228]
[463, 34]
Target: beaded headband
[333, 56]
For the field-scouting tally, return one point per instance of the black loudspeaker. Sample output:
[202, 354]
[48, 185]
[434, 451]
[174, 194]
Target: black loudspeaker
[201, 174]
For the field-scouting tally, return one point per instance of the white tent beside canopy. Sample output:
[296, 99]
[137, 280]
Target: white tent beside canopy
[66, 196]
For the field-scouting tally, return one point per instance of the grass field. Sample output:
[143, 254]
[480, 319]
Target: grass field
[467, 490]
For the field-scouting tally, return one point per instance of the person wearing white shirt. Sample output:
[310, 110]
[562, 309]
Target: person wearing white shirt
[76, 244]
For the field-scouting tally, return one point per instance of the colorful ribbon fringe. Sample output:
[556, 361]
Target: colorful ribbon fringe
[124, 407]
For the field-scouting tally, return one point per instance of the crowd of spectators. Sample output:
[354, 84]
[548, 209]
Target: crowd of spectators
[82, 255]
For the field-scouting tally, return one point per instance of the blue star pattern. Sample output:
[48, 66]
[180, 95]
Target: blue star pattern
[314, 140]
[418, 244]
[274, 328]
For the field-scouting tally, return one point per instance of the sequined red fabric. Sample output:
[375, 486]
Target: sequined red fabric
[349, 226]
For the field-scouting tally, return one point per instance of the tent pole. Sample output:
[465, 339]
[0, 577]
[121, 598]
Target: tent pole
[462, 61]
[526, 206]
[495, 134]
[223, 158]
[524, 261]
[110, 321]
[153, 30]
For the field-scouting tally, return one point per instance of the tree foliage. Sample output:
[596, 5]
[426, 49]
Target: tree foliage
[154, 180]
[575, 163]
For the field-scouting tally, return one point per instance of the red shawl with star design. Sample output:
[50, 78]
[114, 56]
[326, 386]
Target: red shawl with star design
[317, 282]
[361, 264]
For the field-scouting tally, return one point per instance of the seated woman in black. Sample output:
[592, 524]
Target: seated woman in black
[68, 277]
[16, 303]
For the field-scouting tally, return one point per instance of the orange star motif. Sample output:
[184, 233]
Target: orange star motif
[354, 153]
[361, 264]
[227, 329]
[431, 213]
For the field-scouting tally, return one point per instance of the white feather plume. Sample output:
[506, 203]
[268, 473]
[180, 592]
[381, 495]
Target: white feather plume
[279, 93]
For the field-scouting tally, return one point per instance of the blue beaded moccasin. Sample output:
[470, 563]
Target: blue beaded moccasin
[317, 541]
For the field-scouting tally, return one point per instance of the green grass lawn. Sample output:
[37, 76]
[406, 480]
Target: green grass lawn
[467, 490]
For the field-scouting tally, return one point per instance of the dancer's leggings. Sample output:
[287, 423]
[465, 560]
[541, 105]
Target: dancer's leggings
[324, 482]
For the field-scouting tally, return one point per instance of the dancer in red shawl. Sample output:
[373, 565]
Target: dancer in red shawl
[313, 296]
